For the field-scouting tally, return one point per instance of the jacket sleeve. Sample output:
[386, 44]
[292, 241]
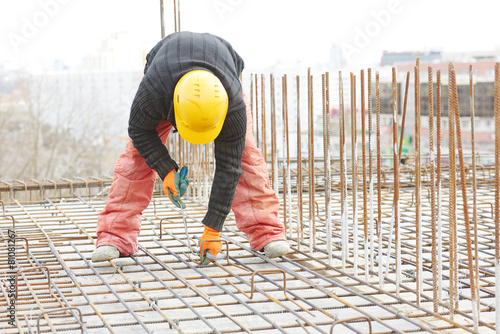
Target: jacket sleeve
[229, 147]
[145, 116]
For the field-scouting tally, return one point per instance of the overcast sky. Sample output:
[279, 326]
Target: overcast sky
[262, 31]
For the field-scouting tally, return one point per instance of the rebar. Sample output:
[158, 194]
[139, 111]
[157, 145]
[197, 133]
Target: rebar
[117, 296]
[497, 196]
[370, 169]
[354, 172]
[177, 16]
[435, 299]
[474, 188]
[343, 176]
[287, 185]
[312, 186]
[162, 20]
[452, 197]
[256, 118]
[365, 181]
[403, 118]
[300, 221]
[418, 166]
[263, 146]
[424, 248]
[274, 157]
[439, 226]
[379, 181]
[396, 162]
[326, 159]
[465, 201]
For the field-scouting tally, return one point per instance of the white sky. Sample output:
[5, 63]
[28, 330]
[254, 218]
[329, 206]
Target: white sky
[262, 31]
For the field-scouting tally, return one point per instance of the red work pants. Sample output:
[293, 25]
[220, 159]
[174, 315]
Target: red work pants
[255, 204]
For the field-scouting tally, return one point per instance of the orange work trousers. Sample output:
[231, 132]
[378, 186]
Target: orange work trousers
[255, 204]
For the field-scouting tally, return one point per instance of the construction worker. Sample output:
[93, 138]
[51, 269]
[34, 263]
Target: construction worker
[192, 84]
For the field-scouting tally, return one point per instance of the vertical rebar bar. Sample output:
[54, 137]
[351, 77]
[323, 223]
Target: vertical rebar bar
[285, 167]
[312, 188]
[178, 15]
[418, 166]
[300, 226]
[181, 150]
[365, 181]
[435, 300]
[403, 120]
[208, 174]
[439, 224]
[274, 158]
[396, 159]
[287, 186]
[379, 181]
[263, 115]
[354, 172]
[470, 259]
[343, 176]
[474, 188]
[162, 20]
[256, 119]
[175, 15]
[370, 168]
[497, 196]
[326, 163]
[452, 196]
[251, 96]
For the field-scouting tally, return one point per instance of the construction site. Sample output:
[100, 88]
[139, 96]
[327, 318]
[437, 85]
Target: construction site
[382, 243]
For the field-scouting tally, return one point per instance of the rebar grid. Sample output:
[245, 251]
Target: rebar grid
[139, 290]
[404, 262]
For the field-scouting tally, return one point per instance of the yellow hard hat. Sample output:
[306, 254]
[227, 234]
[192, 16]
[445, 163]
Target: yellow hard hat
[200, 106]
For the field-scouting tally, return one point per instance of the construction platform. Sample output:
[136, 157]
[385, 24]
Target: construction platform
[381, 244]
[163, 288]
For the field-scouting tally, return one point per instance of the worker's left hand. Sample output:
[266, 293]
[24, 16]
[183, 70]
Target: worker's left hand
[175, 186]
[212, 247]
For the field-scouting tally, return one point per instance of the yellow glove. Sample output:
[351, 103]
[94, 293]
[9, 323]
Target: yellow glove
[214, 247]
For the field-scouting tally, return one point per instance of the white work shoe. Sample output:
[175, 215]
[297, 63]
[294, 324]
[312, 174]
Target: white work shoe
[105, 253]
[276, 249]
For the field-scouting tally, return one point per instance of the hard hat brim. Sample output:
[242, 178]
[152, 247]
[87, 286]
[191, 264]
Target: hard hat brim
[195, 137]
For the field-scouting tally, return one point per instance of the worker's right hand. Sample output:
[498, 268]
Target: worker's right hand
[175, 186]
[214, 247]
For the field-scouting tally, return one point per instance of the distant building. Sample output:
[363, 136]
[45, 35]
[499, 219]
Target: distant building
[121, 51]
[394, 58]
[483, 65]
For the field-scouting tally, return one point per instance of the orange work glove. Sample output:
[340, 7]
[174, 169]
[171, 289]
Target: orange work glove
[175, 185]
[214, 247]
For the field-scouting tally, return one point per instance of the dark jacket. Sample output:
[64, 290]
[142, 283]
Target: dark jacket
[167, 62]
